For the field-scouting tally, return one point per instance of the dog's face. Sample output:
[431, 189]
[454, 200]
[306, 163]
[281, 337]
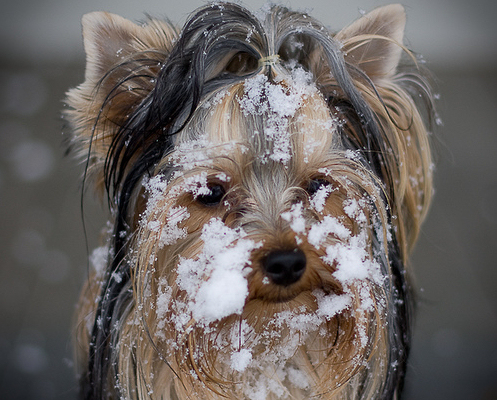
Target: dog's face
[267, 185]
[254, 243]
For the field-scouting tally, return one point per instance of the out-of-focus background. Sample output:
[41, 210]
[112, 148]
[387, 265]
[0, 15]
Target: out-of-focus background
[42, 244]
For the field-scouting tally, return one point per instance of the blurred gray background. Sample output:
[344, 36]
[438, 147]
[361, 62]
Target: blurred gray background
[42, 246]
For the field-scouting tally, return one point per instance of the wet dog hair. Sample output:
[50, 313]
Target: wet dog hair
[151, 85]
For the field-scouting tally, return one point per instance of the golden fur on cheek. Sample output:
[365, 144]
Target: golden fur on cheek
[267, 181]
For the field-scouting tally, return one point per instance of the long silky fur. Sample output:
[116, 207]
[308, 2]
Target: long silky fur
[129, 122]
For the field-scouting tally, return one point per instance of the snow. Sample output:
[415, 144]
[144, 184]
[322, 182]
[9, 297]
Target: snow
[277, 101]
[171, 232]
[296, 218]
[297, 378]
[215, 100]
[241, 359]
[318, 200]
[331, 304]
[329, 225]
[353, 208]
[351, 259]
[192, 153]
[98, 260]
[215, 281]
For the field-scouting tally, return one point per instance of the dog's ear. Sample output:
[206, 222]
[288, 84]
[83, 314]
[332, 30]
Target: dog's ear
[399, 150]
[108, 39]
[122, 61]
[373, 43]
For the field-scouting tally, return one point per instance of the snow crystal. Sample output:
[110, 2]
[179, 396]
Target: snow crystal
[162, 305]
[155, 187]
[192, 153]
[297, 378]
[350, 261]
[253, 102]
[223, 177]
[163, 299]
[280, 102]
[196, 184]
[98, 260]
[241, 359]
[299, 322]
[352, 155]
[215, 100]
[118, 277]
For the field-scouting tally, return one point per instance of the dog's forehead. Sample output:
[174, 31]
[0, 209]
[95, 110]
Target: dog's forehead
[278, 121]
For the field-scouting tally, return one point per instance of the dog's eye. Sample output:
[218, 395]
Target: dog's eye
[215, 196]
[314, 185]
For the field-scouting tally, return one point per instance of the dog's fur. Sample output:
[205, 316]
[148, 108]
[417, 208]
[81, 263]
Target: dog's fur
[267, 180]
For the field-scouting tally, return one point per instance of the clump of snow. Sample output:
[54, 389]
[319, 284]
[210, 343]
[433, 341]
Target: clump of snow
[298, 378]
[117, 276]
[318, 200]
[331, 304]
[223, 177]
[216, 280]
[322, 230]
[350, 256]
[352, 155]
[351, 259]
[170, 232]
[163, 298]
[241, 359]
[296, 218]
[215, 100]
[98, 260]
[354, 209]
[155, 187]
[278, 101]
[158, 186]
[189, 154]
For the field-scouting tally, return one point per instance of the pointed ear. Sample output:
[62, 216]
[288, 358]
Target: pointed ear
[122, 61]
[108, 39]
[374, 41]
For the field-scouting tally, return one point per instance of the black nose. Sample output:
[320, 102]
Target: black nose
[284, 267]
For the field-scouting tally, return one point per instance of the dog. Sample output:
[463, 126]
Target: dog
[266, 180]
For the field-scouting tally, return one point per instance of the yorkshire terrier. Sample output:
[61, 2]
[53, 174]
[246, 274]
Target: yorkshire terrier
[266, 179]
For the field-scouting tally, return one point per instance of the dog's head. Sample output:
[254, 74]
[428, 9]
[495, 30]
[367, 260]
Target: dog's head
[267, 180]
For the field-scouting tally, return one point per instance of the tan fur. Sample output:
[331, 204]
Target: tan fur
[159, 358]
